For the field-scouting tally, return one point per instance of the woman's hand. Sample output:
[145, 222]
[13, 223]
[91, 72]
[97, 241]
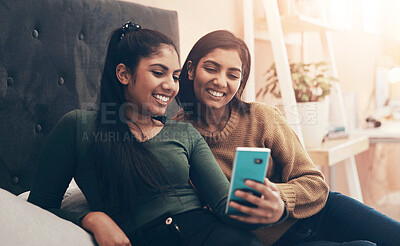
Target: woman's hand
[270, 206]
[105, 230]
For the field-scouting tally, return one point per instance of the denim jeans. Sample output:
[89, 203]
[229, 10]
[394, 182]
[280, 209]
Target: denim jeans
[343, 221]
[198, 227]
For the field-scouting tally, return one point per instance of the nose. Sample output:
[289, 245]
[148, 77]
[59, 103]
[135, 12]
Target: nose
[220, 81]
[169, 84]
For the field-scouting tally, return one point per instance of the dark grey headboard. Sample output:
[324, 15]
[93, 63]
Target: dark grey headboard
[51, 59]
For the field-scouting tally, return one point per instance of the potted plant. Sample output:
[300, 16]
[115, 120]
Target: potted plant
[310, 82]
[311, 85]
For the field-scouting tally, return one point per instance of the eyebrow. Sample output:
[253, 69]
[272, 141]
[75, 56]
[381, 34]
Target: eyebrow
[218, 65]
[163, 67]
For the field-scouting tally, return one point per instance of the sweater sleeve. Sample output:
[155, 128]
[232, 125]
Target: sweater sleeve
[207, 177]
[210, 182]
[56, 167]
[302, 186]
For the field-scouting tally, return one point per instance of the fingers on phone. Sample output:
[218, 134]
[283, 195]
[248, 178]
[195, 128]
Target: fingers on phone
[244, 209]
[255, 185]
[270, 184]
[250, 197]
[266, 189]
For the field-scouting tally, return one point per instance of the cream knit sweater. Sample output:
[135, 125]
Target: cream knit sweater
[301, 184]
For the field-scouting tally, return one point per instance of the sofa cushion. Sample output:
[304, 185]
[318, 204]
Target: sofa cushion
[73, 201]
[23, 223]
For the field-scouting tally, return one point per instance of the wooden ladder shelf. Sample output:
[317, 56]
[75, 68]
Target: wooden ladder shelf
[331, 152]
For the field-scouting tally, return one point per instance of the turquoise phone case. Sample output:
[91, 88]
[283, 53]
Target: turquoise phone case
[250, 163]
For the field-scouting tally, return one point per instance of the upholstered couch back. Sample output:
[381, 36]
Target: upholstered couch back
[51, 59]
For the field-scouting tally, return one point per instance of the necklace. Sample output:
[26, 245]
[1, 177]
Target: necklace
[144, 135]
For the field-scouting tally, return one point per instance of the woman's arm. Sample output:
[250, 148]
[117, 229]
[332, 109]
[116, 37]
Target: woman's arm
[297, 182]
[56, 167]
[104, 229]
[270, 206]
[207, 177]
[301, 184]
[211, 183]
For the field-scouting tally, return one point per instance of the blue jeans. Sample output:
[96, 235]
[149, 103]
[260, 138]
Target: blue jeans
[198, 227]
[343, 221]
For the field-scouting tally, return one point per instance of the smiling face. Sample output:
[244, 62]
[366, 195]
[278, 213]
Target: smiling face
[217, 78]
[155, 82]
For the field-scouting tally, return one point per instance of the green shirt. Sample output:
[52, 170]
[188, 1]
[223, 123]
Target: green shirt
[69, 153]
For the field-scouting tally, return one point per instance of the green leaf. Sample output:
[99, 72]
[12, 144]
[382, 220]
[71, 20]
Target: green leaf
[307, 79]
[304, 98]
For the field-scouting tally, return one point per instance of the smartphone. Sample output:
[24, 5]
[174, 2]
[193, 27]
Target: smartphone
[250, 163]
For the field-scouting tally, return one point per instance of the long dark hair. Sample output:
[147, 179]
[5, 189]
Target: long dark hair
[217, 39]
[124, 166]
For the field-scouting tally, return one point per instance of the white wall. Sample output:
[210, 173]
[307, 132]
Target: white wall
[199, 17]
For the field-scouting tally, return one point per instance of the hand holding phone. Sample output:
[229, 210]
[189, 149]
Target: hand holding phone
[250, 163]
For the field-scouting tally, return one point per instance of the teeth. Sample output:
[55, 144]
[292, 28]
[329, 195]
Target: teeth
[215, 93]
[162, 98]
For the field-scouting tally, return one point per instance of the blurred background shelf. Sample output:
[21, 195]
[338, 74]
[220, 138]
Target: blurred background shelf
[388, 132]
[296, 24]
[336, 150]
